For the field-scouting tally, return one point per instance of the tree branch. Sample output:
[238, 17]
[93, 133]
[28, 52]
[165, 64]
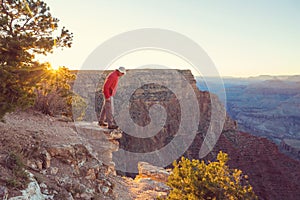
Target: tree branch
[22, 28]
[11, 17]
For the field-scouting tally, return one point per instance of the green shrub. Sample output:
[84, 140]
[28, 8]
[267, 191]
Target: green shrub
[196, 180]
[19, 178]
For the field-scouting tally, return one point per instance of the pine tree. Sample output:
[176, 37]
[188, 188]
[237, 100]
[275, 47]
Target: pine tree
[27, 28]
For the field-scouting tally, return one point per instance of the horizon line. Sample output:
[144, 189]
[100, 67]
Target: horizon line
[225, 76]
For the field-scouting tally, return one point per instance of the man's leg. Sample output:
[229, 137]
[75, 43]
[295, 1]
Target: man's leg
[108, 112]
[102, 117]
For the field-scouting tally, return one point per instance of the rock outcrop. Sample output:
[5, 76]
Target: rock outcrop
[66, 161]
[150, 183]
[257, 157]
[291, 147]
[177, 98]
[61, 162]
[147, 170]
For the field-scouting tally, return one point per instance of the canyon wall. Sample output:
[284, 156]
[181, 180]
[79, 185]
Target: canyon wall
[272, 174]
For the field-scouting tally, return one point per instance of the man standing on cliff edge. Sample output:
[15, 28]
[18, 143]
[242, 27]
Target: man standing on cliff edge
[109, 90]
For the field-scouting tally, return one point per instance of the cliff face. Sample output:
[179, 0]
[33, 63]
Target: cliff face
[147, 89]
[170, 99]
[266, 106]
[291, 147]
[272, 174]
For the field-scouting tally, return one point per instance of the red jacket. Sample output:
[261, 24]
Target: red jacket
[110, 84]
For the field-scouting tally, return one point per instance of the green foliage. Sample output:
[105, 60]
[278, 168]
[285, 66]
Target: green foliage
[53, 94]
[19, 177]
[27, 28]
[196, 180]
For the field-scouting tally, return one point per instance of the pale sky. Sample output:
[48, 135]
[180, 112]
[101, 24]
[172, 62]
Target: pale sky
[242, 37]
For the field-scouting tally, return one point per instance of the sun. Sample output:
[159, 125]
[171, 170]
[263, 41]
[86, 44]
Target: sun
[52, 69]
[55, 67]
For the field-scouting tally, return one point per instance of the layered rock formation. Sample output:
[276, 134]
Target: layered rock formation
[265, 106]
[179, 101]
[291, 147]
[62, 163]
[272, 174]
[65, 161]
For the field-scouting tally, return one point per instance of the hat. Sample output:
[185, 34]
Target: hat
[122, 70]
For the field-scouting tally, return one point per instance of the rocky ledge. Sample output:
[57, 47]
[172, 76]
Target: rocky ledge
[64, 160]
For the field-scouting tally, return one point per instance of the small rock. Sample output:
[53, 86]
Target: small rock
[91, 175]
[104, 189]
[155, 185]
[32, 164]
[156, 173]
[76, 170]
[115, 135]
[46, 157]
[86, 196]
[111, 169]
[53, 170]
[64, 152]
[3, 192]
[70, 197]
[109, 184]
[63, 118]
[43, 186]
[101, 176]
[39, 164]
[45, 191]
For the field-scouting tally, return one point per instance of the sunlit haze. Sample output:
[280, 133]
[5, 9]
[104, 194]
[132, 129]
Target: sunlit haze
[243, 38]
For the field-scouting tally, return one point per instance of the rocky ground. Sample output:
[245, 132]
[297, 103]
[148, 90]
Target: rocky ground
[64, 161]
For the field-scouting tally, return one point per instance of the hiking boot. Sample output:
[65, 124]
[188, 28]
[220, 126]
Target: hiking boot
[113, 126]
[102, 123]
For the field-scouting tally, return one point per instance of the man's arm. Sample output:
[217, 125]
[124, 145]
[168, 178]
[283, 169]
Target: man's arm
[107, 88]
